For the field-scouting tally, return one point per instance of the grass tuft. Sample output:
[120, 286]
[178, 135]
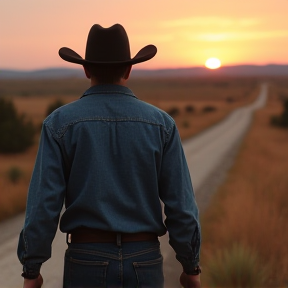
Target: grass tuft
[236, 266]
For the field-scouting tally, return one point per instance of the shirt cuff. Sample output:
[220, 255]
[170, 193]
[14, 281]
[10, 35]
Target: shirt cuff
[31, 271]
[188, 264]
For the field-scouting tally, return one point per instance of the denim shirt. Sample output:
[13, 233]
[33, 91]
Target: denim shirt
[110, 158]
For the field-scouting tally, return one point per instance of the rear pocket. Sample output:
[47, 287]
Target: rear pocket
[84, 273]
[150, 273]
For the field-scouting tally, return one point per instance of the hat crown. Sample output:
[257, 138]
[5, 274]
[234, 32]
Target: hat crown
[107, 44]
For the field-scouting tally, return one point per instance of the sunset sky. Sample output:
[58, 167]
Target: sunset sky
[186, 32]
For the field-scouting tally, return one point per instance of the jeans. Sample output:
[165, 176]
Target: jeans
[114, 265]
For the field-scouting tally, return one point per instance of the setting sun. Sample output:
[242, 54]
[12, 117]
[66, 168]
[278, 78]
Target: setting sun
[213, 63]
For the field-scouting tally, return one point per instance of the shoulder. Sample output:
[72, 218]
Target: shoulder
[61, 116]
[156, 113]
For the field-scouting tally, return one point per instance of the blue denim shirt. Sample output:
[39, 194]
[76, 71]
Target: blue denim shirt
[110, 158]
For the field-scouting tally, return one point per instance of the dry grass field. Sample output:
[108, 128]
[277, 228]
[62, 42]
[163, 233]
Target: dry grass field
[251, 207]
[32, 97]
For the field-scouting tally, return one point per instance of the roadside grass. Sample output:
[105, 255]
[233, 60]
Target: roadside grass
[33, 97]
[251, 207]
[236, 266]
[13, 194]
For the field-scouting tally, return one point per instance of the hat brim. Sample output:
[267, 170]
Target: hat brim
[143, 55]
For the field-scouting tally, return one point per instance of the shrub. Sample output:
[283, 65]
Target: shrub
[14, 174]
[281, 120]
[7, 110]
[237, 266]
[189, 109]
[53, 106]
[17, 134]
[173, 112]
[208, 109]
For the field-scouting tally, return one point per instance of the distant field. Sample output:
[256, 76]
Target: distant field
[195, 105]
[156, 89]
[33, 96]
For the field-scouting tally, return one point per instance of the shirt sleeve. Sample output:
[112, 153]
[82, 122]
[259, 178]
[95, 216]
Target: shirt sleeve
[180, 208]
[44, 203]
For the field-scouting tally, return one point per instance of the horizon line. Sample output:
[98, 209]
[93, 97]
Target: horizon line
[146, 69]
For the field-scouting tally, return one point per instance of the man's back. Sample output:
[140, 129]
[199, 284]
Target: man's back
[112, 144]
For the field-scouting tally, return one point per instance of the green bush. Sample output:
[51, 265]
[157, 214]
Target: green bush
[237, 267]
[14, 174]
[281, 120]
[17, 134]
[53, 106]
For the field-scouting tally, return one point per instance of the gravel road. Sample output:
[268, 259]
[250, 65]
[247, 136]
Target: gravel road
[209, 155]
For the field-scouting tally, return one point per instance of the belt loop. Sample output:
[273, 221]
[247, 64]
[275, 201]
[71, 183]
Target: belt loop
[68, 239]
[118, 239]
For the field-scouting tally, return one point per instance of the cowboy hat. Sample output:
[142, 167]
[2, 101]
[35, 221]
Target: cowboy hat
[108, 46]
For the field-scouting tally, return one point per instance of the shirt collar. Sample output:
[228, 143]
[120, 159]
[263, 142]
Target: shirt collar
[108, 89]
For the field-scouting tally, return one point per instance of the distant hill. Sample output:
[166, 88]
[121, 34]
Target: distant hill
[40, 74]
[240, 70]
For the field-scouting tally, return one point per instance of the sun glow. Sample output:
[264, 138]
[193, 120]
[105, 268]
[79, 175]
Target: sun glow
[213, 63]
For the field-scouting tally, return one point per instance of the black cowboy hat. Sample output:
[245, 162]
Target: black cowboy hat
[108, 46]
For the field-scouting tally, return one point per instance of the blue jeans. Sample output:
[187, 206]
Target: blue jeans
[112, 265]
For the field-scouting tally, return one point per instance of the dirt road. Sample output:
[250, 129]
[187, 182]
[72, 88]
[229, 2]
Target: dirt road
[209, 155]
[206, 153]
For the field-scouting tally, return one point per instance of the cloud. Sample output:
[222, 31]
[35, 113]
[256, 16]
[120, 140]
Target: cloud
[168, 37]
[238, 36]
[212, 37]
[211, 21]
[219, 29]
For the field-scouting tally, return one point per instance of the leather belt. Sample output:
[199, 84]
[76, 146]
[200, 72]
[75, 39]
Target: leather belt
[86, 235]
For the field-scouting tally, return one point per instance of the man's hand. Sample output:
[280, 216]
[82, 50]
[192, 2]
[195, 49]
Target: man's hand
[33, 283]
[190, 281]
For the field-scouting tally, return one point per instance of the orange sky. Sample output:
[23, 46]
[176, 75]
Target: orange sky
[186, 32]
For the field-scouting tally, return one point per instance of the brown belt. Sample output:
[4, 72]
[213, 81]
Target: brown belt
[85, 235]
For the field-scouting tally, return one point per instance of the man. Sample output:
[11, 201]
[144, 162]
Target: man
[111, 158]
